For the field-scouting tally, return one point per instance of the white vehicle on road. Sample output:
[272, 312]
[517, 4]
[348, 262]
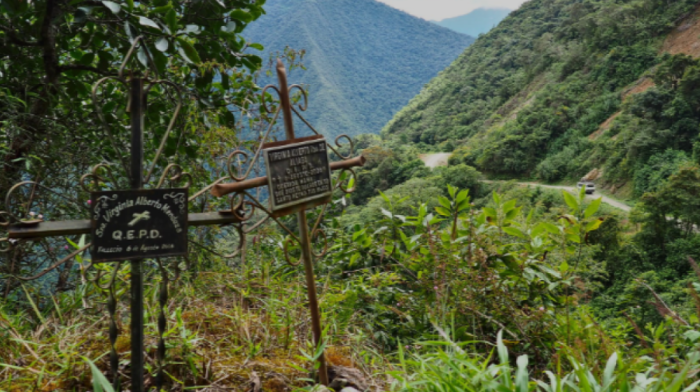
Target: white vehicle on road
[588, 185]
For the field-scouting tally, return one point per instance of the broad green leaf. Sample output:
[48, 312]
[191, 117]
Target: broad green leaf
[189, 51]
[160, 60]
[592, 208]
[163, 9]
[351, 183]
[148, 22]
[114, 7]
[594, 225]
[387, 213]
[129, 32]
[463, 205]
[241, 15]
[141, 55]
[511, 214]
[550, 227]
[491, 212]
[162, 44]
[692, 335]
[171, 19]
[442, 211]
[564, 266]
[574, 238]
[462, 195]
[225, 81]
[570, 200]
[514, 231]
[353, 259]
[358, 234]
[87, 58]
[384, 196]
[190, 29]
[444, 202]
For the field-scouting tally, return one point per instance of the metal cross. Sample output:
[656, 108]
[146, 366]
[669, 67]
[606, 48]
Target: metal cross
[304, 239]
[22, 229]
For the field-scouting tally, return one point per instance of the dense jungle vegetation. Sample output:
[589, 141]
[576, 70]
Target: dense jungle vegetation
[528, 99]
[428, 280]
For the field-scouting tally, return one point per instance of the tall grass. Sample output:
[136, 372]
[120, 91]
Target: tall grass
[446, 366]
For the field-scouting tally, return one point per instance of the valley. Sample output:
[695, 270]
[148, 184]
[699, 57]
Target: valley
[441, 246]
[358, 71]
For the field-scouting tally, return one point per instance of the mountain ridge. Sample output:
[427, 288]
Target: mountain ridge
[361, 69]
[476, 22]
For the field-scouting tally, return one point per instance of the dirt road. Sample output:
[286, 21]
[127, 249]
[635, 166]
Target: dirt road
[440, 159]
[571, 189]
[435, 160]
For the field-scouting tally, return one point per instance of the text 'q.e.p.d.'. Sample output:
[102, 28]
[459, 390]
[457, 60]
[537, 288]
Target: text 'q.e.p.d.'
[138, 224]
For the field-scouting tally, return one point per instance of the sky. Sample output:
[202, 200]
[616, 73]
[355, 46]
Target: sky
[441, 9]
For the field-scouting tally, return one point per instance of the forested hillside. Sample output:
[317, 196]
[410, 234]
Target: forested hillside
[364, 60]
[406, 279]
[479, 21]
[532, 97]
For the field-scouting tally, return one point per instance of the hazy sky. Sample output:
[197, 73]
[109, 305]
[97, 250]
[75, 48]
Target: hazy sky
[441, 9]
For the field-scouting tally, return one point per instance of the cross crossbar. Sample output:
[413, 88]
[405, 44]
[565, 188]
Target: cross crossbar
[83, 226]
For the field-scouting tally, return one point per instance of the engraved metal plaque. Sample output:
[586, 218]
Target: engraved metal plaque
[298, 172]
[138, 224]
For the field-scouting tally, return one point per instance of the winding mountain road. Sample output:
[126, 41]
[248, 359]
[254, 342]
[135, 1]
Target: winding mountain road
[572, 189]
[440, 159]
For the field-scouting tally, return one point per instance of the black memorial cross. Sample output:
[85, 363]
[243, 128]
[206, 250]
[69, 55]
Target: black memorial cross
[33, 229]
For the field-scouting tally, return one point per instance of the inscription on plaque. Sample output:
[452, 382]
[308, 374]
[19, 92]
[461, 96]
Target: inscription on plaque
[298, 173]
[139, 224]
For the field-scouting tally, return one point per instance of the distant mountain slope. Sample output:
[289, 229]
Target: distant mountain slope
[535, 96]
[479, 21]
[364, 60]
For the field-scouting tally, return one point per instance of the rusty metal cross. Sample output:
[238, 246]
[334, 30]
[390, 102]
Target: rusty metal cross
[304, 238]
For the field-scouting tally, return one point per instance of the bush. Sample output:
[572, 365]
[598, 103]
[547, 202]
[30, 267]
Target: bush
[463, 177]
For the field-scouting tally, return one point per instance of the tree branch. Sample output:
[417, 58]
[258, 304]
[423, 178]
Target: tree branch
[80, 67]
[15, 39]
[48, 40]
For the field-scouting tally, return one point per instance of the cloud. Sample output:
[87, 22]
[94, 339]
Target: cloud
[441, 9]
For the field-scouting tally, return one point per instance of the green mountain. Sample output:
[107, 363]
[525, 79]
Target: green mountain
[364, 60]
[564, 88]
[479, 21]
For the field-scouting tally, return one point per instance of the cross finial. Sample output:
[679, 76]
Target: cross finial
[285, 101]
